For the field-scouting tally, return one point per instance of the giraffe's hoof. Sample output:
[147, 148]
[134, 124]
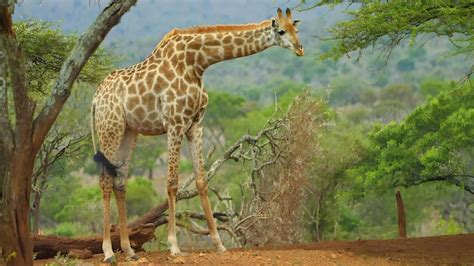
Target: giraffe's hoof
[110, 260]
[221, 248]
[134, 257]
[174, 250]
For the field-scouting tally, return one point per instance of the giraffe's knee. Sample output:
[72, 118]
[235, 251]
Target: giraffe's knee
[172, 186]
[201, 185]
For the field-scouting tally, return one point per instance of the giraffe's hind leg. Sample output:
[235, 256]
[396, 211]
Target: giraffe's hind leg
[117, 144]
[123, 157]
[174, 144]
[194, 136]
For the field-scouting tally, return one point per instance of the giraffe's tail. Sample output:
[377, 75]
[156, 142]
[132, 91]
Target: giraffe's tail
[101, 160]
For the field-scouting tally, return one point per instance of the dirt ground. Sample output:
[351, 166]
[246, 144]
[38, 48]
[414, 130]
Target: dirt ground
[457, 249]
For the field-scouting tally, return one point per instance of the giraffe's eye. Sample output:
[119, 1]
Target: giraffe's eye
[281, 32]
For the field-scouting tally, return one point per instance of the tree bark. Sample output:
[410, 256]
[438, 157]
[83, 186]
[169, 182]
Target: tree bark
[21, 141]
[402, 224]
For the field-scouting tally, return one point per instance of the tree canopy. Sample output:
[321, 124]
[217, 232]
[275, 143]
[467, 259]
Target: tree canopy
[434, 143]
[384, 24]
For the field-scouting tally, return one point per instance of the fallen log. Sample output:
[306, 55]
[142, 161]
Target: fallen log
[49, 246]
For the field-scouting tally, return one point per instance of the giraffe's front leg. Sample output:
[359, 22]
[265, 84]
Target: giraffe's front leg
[194, 136]
[174, 144]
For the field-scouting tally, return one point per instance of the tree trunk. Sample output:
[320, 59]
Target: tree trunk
[402, 225]
[22, 138]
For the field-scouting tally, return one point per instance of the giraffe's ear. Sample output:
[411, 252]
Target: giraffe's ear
[288, 13]
[296, 22]
[280, 13]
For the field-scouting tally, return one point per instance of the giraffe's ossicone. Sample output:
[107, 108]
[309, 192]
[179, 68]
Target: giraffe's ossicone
[164, 94]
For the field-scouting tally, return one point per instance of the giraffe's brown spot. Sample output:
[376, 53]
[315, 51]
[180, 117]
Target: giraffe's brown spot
[178, 128]
[190, 58]
[181, 104]
[172, 111]
[139, 75]
[141, 88]
[153, 115]
[194, 45]
[150, 77]
[165, 69]
[152, 67]
[210, 41]
[132, 89]
[132, 101]
[228, 51]
[139, 112]
[174, 60]
[162, 82]
[180, 67]
[149, 101]
[180, 46]
[200, 59]
[188, 112]
[227, 39]
[239, 41]
[147, 124]
[239, 52]
[181, 56]
[211, 52]
[170, 95]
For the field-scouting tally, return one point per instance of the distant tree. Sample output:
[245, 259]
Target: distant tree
[25, 129]
[434, 143]
[222, 108]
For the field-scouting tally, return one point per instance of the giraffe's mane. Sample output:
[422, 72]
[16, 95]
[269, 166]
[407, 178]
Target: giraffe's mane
[215, 28]
[224, 28]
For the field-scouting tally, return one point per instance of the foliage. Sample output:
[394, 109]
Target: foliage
[45, 50]
[435, 142]
[141, 196]
[386, 24]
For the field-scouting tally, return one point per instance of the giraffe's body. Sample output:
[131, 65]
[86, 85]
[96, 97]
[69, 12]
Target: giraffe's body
[164, 94]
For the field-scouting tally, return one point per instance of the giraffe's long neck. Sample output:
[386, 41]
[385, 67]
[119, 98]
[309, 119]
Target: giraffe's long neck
[204, 46]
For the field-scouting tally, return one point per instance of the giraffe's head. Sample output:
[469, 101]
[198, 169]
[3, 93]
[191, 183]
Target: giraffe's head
[286, 32]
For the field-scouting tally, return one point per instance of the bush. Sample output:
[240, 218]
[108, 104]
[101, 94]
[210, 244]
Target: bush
[141, 196]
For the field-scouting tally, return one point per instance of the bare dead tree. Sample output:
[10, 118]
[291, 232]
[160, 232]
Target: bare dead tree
[280, 162]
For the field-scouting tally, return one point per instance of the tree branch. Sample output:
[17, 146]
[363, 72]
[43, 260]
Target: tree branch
[70, 69]
[463, 180]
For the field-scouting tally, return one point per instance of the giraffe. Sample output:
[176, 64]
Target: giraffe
[164, 94]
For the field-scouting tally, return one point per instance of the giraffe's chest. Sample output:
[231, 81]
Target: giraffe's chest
[155, 110]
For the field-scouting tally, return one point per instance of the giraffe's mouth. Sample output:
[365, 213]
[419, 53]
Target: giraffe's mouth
[299, 51]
